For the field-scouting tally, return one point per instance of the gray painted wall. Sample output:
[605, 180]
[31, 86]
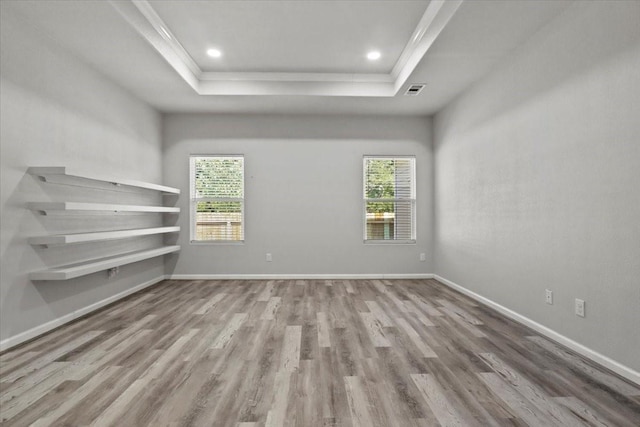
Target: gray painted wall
[56, 111]
[303, 191]
[537, 172]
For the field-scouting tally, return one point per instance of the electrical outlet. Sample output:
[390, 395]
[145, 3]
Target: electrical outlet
[548, 296]
[423, 257]
[579, 307]
[268, 258]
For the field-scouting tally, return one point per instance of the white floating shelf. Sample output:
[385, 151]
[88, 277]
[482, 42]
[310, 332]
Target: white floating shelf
[46, 207]
[61, 175]
[61, 239]
[88, 267]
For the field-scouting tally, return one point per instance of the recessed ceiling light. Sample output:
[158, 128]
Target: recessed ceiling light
[214, 53]
[373, 55]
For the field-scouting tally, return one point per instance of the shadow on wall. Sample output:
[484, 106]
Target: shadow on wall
[555, 55]
[77, 84]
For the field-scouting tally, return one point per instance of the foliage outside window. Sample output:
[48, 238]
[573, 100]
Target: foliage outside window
[389, 199]
[217, 198]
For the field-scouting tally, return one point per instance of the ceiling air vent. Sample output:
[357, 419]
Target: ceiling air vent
[415, 89]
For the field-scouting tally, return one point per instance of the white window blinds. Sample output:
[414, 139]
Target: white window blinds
[389, 199]
[217, 198]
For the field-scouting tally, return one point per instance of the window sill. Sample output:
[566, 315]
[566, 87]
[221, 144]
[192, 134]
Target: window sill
[389, 242]
[217, 242]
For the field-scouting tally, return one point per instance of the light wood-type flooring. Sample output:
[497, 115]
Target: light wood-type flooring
[361, 353]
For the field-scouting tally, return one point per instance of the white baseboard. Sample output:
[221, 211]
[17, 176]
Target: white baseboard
[620, 369]
[296, 276]
[44, 328]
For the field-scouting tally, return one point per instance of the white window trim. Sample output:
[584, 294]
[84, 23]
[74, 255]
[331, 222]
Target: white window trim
[193, 202]
[414, 231]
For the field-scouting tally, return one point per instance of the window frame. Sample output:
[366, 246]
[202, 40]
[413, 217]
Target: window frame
[412, 200]
[193, 201]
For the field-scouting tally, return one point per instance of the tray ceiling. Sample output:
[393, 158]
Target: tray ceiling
[291, 48]
[310, 36]
[286, 56]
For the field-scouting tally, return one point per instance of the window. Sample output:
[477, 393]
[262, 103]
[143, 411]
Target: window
[390, 199]
[217, 198]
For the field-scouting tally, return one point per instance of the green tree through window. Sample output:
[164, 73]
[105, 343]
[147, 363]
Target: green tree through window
[389, 197]
[217, 198]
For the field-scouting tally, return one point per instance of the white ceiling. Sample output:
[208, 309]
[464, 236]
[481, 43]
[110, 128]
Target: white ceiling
[275, 49]
[293, 36]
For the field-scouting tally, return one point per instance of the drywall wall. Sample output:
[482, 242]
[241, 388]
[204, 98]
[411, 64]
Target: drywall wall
[57, 111]
[537, 172]
[303, 192]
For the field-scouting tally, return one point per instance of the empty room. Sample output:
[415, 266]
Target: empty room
[320, 213]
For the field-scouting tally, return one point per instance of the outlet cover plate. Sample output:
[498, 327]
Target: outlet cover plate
[579, 307]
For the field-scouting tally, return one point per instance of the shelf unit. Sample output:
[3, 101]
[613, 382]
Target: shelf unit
[47, 207]
[62, 175]
[101, 264]
[63, 239]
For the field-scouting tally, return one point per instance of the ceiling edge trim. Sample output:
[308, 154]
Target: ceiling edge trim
[130, 12]
[434, 20]
[300, 88]
[296, 77]
[161, 28]
[144, 19]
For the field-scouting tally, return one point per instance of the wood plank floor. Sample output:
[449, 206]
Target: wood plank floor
[305, 353]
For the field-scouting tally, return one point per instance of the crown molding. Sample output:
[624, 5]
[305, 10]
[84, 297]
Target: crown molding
[159, 38]
[434, 20]
[296, 77]
[144, 19]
